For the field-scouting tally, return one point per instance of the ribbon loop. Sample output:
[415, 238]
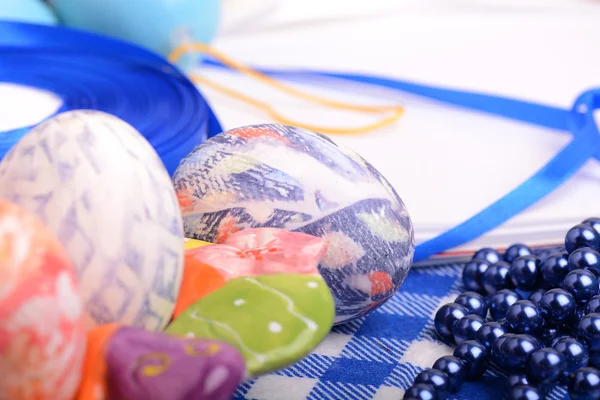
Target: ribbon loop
[89, 71]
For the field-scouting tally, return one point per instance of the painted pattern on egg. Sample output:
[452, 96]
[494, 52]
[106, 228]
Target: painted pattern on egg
[42, 336]
[103, 190]
[285, 177]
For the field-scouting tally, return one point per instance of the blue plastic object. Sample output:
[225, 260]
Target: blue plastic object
[31, 11]
[88, 71]
[158, 25]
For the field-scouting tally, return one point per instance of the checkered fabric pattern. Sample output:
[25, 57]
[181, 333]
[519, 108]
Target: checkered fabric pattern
[378, 356]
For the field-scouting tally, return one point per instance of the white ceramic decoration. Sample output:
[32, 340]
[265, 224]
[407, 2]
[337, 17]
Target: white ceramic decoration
[284, 177]
[102, 189]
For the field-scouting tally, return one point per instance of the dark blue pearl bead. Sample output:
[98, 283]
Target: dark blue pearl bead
[503, 324]
[525, 272]
[546, 365]
[501, 301]
[496, 277]
[584, 384]
[554, 269]
[585, 258]
[474, 356]
[581, 236]
[515, 251]
[516, 349]
[474, 302]
[543, 254]
[472, 274]
[524, 317]
[420, 391]
[438, 380]
[454, 368]
[524, 392]
[487, 254]
[594, 360]
[447, 317]
[580, 312]
[559, 337]
[536, 296]
[488, 333]
[593, 222]
[466, 328]
[575, 353]
[549, 332]
[593, 305]
[589, 330]
[496, 354]
[582, 284]
[517, 379]
[557, 306]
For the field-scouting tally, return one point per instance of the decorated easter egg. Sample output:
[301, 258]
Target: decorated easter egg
[102, 189]
[42, 336]
[274, 320]
[153, 365]
[285, 177]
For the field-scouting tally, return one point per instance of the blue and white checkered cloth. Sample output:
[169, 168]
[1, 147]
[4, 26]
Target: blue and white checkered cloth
[378, 356]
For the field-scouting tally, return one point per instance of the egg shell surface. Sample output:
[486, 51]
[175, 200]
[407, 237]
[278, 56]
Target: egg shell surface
[285, 177]
[42, 335]
[104, 192]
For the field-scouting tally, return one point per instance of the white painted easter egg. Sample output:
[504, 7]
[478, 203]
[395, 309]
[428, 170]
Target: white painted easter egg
[104, 192]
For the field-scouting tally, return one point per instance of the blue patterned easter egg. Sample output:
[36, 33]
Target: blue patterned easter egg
[103, 191]
[285, 177]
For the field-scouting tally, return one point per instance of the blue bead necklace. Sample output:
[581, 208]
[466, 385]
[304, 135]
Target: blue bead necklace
[543, 327]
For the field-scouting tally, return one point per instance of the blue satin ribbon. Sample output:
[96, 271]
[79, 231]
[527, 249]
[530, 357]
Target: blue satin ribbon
[89, 71]
[578, 120]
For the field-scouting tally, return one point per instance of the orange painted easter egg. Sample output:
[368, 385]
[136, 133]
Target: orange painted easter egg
[42, 337]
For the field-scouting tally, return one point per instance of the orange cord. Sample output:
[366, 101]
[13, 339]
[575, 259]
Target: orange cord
[396, 111]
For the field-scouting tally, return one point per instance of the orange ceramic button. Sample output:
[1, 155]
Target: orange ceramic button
[93, 383]
[199, 279]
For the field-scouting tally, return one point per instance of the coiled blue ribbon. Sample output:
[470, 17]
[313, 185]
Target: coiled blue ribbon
[579, 121]
[89, 71]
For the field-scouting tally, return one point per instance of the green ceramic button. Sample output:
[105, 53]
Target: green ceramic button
[274, 320]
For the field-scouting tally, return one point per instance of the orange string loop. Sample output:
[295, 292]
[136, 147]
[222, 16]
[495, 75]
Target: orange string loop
[395, 111]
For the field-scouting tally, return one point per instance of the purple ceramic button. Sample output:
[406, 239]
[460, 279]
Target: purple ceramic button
[154, 366]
